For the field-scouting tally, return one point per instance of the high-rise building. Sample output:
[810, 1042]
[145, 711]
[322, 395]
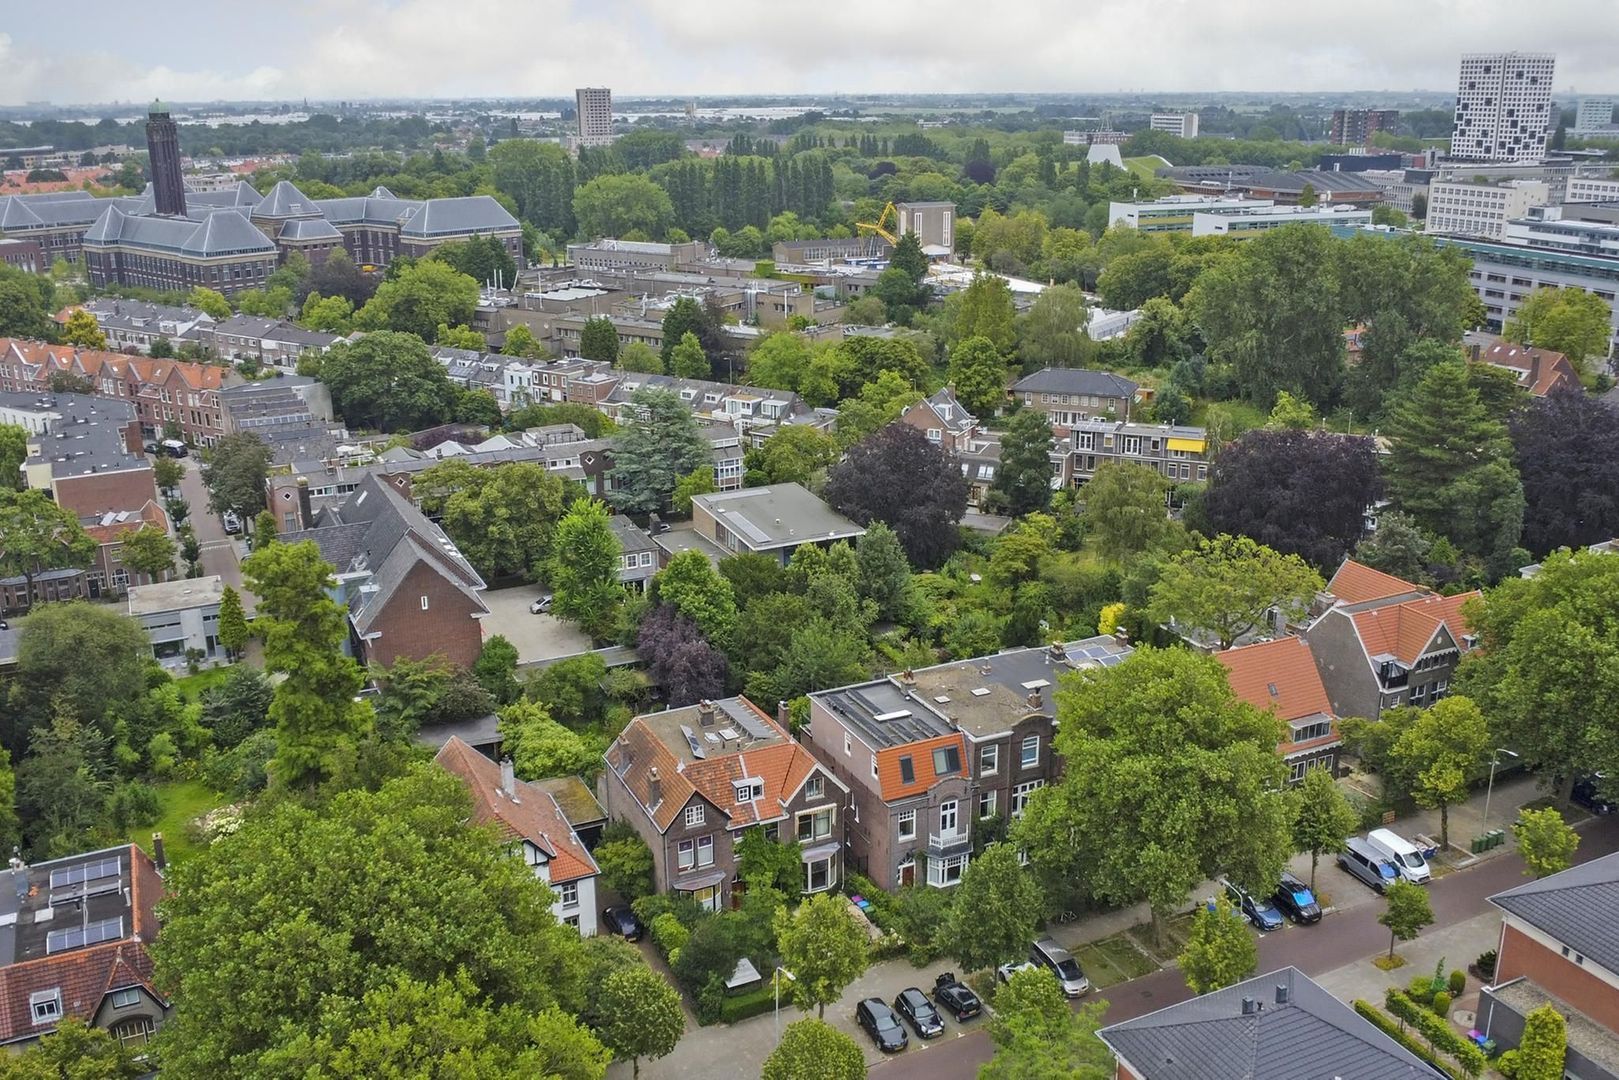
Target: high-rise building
[1180, 124]
[1355, 127]
[1503, 106]
[595, 108]
[1594, 114]
[163, 147]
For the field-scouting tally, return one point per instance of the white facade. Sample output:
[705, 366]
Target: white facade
[1247, 223]
[576, 900]
[179, 616]
[1503, 106]
[1173, 213]
[1594, 114]
[1459, 208]
[595, 108]
[1182, 124]
[1582, 189]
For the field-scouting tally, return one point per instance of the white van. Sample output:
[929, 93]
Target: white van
[1403, 853]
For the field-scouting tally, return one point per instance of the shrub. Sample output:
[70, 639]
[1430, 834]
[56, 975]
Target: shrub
[1458, 983]
[1393, 1030]
[1438, 1032]
[753, 1002]
[1486, 965]
[1441, 1004]
[133, 805]
[1507, 1064]
[711, 1000]
[668, 934]
[1420, 988]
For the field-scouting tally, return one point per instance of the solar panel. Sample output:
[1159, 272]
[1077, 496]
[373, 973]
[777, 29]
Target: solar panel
[78, 875]
[74, 937]
[691, 742]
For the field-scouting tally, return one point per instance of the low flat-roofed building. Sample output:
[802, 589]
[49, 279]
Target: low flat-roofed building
[772, 520]
[1245, 224]
[181, 617]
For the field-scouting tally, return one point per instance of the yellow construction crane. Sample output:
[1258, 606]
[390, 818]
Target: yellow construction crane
[879, 226]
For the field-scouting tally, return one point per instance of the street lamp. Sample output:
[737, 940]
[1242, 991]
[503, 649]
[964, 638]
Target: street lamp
[775, 980]
[1495, 760]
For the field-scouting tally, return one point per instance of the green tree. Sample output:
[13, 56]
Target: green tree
[1322, 816]
[986, 311]
[621, 203]
[10, 827]
[795, 454]
[885, 572]
[685, 314]
[1125, 509]
[1038, 1037]
[520, 341]
[658, 444]
[167, 472]
[778, 361]
[1023, 482]
[75, 656]
[1570, 321]
[1406, 911]
[1443, 749]
[460, 909]
[1546, 842]
[1399, 546]
[625, 862]
[502, 518]
[388, 381]
[459, 337]
[687, 359]
[74, 1051]
[539, 178]
[147, 550]
[996, 910]
[496, 670]
[420, 299]
[38, 535]
[1169, 780]
[25, 305]
[1291, 414]
[1307, 195]
[690, 584]
[908, 257]
[316, 711]
[1220, 951]
[697, 482]
[979, 375]
[14, 451]
[1225, 587]
[640, 1015]
[81, 329]
[330, 314]
[233, 632]
[210, 302]
[1052, 333]
[584, 568]
[824, 948]
[598, 340]
[639, 356]
[812, 1049]
[1543, 1046]
[238, 466]
[264, 531]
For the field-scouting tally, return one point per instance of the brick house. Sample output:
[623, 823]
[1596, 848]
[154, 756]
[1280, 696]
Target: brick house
[1069, 395]
[691, 780]
[949, 426]
[1180, 453]
[1537, 371]
[1280, 677]
[1559, 945]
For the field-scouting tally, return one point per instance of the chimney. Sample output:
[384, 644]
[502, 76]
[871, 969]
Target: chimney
[1281, 993]
[654, 789]
[908, 677]
[306, 514]
[160, 857]
[1057, 654]
[705, 713]
[1249, 1006]
[1534, 369]
[1121, 635]
[783, 715]
[1034, 700]
[508, 779]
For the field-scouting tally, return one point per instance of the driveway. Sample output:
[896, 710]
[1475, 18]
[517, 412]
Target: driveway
[536, 637]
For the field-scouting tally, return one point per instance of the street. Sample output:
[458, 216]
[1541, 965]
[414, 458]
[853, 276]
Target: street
[219, 550]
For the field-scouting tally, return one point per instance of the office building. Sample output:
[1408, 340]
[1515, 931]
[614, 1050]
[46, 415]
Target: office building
[1503, 106]
[1246, 224]
[1355, 127]
[1589, 189]
[1594, 115]
[1095, 138]
[1180, 124]
[163, 147]
[1465, 208]
[934, 224]
[1173, 213]
[595, 109]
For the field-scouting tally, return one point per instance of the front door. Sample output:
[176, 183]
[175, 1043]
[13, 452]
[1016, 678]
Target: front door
[907, 874]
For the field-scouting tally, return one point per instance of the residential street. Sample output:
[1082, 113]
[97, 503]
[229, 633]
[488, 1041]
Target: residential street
[220, 552]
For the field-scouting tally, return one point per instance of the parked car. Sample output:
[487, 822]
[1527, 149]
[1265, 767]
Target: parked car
[882, 1025]
[1587, 793]
[1365, 862]
[174, 448]
[656, 525]
[1005, 972]
[1256, 909]
[956, 997]
[1405, 855]
[622, 921]
[919, 1012]
[540, 606]
[1061, 963]
[4, 625]
[232, 523]
[1296, 900]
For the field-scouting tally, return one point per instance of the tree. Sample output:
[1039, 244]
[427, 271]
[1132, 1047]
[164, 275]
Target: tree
[238, 466]
[878, 404]
[898, 293]
[680, 659]
[885, 573]
[639, 1015]
[13, 452]
[1566, 447]
[329, 314]
[584, 569]
[540, 747]
[25, 305]
[264, 531]
[147, 550]
[687, 360]
[81, 329]
[75, 657]
[484, 259]
[1322, 816]
[1298, 492]
[317, 713]
[1546, 842]
[1170, 779]
[996, 910]
[167, 472]
[539, 178]
[1405, 913]
[795, 454]
[1290, 414]
[1442, 750]
[778, 361]
[684, 315]
[1570, 321]
[1160, 335]
[1220, 950]
[502, 518]
[1125, 509]
[900, 478]
[1038, 1037]
[824, 947]
[909, 257]
[1052, 333]
[621, 203]
[979, 375]
[691, 586]
[418, 300]
[1399, 547]
[10, 828]
[496, 670]
[459, 337]
[233, 632]
[812, 1049]
[598, 340]
[986, 311]
[462, 912]
[697, 482]
[74, 1051]
[1543, 1046]
[625, 862]
[1226, 586]
[388, 381]
[38, 535]
[639, 356]
[658, 444]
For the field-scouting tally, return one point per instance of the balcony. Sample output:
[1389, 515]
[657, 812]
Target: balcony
[952, 843]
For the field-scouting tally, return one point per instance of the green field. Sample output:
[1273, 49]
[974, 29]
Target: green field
[180, 801]
[1145, 167]
[1112, 960]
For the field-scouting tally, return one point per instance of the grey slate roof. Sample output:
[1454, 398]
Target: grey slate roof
[1075, 381]
[286, 201]
[1578, 907]
[448, 217]
[1313, 1036]
[309, 229]
[778, 516]
[222, 232]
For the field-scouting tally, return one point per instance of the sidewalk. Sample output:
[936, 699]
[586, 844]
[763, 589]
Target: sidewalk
[1458, 945]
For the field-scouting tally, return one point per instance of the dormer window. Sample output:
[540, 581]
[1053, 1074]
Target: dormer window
[46, 1005]
[748, 789]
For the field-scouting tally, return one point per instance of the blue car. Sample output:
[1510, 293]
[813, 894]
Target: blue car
[1296, 900]
[1257, 910]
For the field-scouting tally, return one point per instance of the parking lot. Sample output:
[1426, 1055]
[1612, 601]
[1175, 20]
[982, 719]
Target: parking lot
[536, 637]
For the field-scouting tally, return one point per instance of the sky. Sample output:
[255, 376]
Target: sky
[188, 50]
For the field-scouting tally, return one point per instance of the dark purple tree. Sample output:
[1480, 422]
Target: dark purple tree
[1566, 446]
[898, 477]
[1302, 493]
[680, 659]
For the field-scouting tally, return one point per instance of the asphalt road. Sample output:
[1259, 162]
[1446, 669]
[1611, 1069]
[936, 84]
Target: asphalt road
[219, 550]
[1342, 938]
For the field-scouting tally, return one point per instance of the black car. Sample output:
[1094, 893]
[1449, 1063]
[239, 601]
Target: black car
[1256, 909]
[1586, 794]
[622, 921]
[882, 1024]
[1295, 900]
[956, 997]
[919, 1012]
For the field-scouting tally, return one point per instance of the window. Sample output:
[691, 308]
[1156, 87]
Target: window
[132, 1032]
[571, 920]
[1296, 771]
[1021, 793]
[946, 760]
[123, 999]
[848, 745]
[818, 875]
[1317, 730]
[989, 760]
[705, 851]
[907, 771]
[748, 790]
[568, 893]
[687, 854]
[46, 1006]
[424, 603]
[874, 766]
[986, 804]
[946, 872]
[813, 787]
[907, 824]
[1031, 752]
[947, 818]
[816, 824]
[694, 815]
[707, 898]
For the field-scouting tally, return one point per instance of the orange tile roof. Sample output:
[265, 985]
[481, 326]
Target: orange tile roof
[1404, 630]
[1356, 583]
[1552, 368]
[891, 781]
[150, 514]
[98, 363]
[1279, 676]
[533, 816]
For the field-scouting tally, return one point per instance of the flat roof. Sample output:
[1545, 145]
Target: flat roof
[179, 595]
[778, 516]
[1019, 682]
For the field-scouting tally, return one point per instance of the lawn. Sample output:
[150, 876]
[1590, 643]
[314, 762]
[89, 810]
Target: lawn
[1145, 167]
[1176, 931]
[179, 801]
[1113, 960]
[192, 686]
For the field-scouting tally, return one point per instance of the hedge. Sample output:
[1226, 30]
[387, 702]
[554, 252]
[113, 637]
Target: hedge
[1388, 1026]
[750, 1003]
[1438, 1032]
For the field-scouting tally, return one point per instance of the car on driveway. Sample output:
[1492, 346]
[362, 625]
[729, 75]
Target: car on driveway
[622, 921]
[919, 1012]
[1586, 793]
[1256, 909]
[955, 997]
[1005, 972]
[1060, 962]
[882, 1024]
[1296, 900]
[540, 606]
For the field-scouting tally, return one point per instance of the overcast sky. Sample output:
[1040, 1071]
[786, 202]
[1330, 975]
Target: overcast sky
[100, 51]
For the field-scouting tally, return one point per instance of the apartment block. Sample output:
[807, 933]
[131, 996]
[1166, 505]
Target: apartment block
[1179, 453]
[1355, 127]
[594, 106]
[1503, 106]
[1465, 208]
[1182, 125]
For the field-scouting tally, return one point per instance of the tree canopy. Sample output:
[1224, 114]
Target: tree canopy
[1225, 587]
[1566, 447]
[389, 381]
[238, 466]
[658, 444]
[898, 477]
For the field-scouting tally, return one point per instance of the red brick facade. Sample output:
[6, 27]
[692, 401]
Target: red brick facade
[446, 626]
[162, 391]
[1562, 977]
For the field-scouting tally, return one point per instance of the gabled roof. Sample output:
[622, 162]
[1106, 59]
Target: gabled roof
[526, 813]
[953, 415]
[1075, 381]
[1578, 908]
[1405, 630]
[286, 201]
[1356, 583]
[1278, 676]
[1310, 1035]
[449, 217]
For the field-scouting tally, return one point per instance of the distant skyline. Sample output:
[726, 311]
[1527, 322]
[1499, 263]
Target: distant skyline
[96, 51]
